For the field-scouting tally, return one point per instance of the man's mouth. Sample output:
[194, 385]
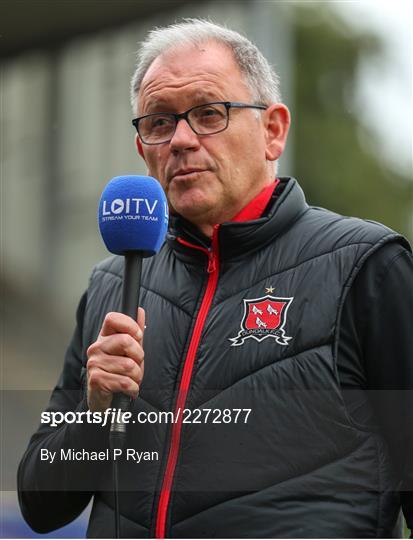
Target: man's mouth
[185, 173]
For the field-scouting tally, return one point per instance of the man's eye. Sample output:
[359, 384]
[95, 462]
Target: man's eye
[209, 112]
[210, 116]
[160, 121]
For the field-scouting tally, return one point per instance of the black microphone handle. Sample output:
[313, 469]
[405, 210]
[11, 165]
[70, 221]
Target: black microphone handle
[131, 283]
[130, 302]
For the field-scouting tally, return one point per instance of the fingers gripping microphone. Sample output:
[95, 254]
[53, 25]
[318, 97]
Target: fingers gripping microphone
[133, 220]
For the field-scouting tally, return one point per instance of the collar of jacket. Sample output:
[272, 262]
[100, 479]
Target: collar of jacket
[236, 239]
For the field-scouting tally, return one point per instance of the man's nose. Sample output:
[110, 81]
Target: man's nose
[184, 137]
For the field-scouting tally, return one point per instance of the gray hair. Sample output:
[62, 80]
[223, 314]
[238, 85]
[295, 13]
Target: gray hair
[259, 76]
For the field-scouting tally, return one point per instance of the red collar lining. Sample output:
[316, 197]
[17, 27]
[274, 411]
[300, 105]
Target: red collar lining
[255, 208]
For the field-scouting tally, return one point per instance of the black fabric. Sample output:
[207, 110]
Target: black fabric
[305, 465]
[375, 354]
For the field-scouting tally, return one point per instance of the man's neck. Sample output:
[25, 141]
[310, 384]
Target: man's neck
[252, 210]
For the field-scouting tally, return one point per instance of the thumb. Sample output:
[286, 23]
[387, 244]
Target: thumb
[141, 321]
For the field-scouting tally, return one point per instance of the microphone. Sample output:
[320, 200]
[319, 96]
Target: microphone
[133, 220]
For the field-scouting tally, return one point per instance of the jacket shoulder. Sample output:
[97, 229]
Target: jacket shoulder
[112, 265]
[336, 231]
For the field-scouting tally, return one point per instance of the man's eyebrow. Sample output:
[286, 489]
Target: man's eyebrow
[205, 97]
[162, 106]
[157, 106]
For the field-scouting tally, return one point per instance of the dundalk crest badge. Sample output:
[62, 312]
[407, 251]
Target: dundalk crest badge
[264, 318]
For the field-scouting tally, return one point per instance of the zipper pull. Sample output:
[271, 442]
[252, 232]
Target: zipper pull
[211, 262]
[213, 251]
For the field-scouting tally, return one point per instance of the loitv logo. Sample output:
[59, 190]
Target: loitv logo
[131, 208]
[118, 206]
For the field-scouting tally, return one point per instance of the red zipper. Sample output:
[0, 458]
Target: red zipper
[213, 265]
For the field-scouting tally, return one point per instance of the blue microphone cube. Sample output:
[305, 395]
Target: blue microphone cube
[133, 215]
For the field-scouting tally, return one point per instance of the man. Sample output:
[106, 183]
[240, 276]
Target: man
[266, 333]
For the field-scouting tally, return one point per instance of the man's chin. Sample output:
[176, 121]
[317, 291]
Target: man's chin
[191, 213]
[190, 204]
[195, 212]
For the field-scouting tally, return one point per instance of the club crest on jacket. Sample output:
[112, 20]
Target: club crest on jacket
[264, 318]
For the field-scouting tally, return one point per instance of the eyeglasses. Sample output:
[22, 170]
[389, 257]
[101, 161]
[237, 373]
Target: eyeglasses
[207, 119]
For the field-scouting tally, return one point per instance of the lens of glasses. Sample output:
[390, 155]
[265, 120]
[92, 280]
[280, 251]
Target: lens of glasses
[208, 118]
[204, 120]
[157, 128]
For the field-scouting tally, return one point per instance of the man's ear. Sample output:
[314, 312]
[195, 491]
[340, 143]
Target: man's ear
[139, 146]
[276, 123]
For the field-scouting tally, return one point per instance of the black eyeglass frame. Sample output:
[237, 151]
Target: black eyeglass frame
[179, 116]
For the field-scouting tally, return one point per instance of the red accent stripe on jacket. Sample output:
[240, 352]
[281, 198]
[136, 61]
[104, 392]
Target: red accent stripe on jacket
[213, 267]
[252, 210]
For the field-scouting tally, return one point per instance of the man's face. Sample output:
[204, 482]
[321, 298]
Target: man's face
[207, 178]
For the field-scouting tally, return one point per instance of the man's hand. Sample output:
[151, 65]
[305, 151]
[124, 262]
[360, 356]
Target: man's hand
[115, 360]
